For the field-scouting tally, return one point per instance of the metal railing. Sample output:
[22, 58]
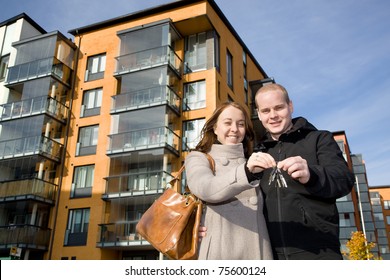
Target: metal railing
[39, 68]
[145, 98]
[143, 139]
[28, 236]
[147, 59]
[30, 146]
[28, 187]
[33, 106]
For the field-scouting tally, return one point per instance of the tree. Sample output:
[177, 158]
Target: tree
[358, 247]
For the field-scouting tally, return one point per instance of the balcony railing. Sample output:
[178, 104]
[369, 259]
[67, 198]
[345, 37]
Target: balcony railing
[134, 184]
[143, 139]
[39, 68]
[30, 146]
[145, 98]
[32, 107]
[147, 59]
[25, 236]
[119, 234]
[31, 188]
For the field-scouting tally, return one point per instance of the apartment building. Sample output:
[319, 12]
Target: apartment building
[35, 87]
[380, 201]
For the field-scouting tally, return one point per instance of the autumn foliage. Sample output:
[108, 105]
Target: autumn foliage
[358, 247]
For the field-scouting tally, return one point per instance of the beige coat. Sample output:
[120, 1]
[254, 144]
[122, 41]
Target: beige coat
[233, 216]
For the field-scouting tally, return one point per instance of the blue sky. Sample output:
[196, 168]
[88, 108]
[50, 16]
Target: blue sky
[333, 56]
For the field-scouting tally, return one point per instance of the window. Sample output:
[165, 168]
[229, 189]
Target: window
[346, 220]
[378, 217]
[82, 181]
[245, 77]
[216, 51]
[191, 133]
[92, 101]
[95, 67]
[195, 52]
[3, 66]
[229, 69]
[386, 204]
[194, 96]
[77, 229]
[388, 220]
[87, 142]
[384, 249]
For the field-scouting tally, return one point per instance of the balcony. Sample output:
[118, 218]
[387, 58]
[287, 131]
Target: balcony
[24, 236]
[27, 146]
[145, 98]
[147, 59]
[28, 189]
[158, 137]
[32, 107]
[136, 184]
[37, 69]
[120, 234]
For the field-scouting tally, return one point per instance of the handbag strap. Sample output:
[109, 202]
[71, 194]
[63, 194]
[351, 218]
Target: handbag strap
[177, 177]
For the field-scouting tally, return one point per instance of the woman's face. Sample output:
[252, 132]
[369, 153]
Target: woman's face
[230, 126]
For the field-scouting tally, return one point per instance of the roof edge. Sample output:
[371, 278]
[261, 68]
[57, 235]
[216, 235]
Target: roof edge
[27, 18]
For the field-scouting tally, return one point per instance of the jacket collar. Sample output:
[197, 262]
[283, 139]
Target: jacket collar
[300, 124]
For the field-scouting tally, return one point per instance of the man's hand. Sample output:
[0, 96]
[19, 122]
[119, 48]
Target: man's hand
[297, 168]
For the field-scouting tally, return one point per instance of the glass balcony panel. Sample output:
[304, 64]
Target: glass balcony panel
[39, 68]
[147, 59]
[143, 139]
[142, 183]
[28, 187]
[120, 234]
[145, 98]
[30, 145]
[25, 236]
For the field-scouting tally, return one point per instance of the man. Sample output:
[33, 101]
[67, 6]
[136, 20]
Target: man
[300, 196]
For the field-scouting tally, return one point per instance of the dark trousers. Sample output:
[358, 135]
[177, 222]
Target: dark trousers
[323, 254]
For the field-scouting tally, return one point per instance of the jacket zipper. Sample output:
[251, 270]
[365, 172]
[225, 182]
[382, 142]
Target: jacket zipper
[280, 144]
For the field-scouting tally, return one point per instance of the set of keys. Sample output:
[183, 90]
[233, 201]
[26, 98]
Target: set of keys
[276, 174]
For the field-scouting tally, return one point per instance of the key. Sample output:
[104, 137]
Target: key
[276, 174]
[272, 175]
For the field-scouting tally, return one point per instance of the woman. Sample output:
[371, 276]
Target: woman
[235, 227]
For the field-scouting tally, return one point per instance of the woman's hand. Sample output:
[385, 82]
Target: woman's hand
[257, 162]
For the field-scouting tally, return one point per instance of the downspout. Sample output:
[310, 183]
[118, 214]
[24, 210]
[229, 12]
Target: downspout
[63, 155]
[361, 216]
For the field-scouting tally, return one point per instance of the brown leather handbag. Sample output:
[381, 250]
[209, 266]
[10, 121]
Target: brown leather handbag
[171, 224]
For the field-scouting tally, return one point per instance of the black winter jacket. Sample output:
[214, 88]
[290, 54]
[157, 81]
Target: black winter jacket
[303, 219]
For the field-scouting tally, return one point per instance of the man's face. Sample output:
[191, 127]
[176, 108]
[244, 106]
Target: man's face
[274, 112]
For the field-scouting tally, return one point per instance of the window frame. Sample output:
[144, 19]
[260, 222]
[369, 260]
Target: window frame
[4, 60]
[91, 133]
[82, 187]
[229, 69]
[96, 66]
[196, 93]
[88, 109]
[77, 236]
[191, 143]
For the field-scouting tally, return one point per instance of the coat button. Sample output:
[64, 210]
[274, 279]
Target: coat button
[224, 161]
[253, 200]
